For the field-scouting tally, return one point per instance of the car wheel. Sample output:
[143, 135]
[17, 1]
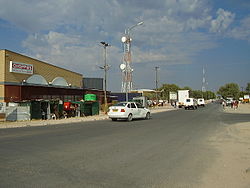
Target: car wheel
[130, 117]
[147, 116]
[114, 119]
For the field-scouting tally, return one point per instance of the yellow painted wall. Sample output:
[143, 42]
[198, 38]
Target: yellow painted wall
[1, 93]
[2, 64]
[2, 68]
[48, 71]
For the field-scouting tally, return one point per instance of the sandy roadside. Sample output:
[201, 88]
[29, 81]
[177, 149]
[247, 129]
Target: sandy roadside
[232, 145]
[101, 116]
[242, 109]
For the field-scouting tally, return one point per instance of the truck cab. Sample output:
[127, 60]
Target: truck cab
[190, 103]
[201, 102]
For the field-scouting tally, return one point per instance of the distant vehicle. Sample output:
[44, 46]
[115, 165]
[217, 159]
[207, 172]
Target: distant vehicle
[190, 103]
[128, 111]
[182, 96]
[229, 101]
[201, 102]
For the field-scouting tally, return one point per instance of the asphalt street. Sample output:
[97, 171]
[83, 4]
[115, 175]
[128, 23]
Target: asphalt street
[169, 150]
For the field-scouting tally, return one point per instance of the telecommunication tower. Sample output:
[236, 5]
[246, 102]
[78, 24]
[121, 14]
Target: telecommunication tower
[125, 67]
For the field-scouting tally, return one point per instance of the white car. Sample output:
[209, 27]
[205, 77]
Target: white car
[129, 111]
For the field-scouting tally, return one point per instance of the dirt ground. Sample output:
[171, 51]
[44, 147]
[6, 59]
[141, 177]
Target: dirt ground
[232, 167]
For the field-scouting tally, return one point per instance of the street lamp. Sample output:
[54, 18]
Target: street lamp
[156, 82]
[105, 68]
[126, 68]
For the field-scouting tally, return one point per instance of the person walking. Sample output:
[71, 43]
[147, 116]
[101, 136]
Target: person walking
[223, 104]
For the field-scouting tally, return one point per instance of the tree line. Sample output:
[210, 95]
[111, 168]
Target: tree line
[165, 90]
[228, 90]
[233, 90]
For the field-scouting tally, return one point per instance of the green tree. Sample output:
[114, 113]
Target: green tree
[209, 95]
[187, 88]
[196, 94]
[150, 96]
[248, 88]
[167, 88]
[206, 95]
[229, 90]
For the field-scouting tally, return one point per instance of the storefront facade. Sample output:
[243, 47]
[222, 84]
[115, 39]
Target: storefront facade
[25, 78]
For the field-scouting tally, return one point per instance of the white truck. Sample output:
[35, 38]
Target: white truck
[182, 96]
[201, 102]
[190, 103]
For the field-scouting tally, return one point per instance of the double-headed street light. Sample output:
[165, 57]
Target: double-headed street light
[125, 67]
[105, 68]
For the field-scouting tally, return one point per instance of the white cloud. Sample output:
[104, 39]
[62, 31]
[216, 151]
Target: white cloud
[69, 51]
[242, 31]
[67, 32]
[222, 22]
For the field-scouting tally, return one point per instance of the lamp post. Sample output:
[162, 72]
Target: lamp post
[105, 68]
[156, 82]
[126, 68]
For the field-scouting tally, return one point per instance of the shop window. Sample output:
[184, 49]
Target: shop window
[36, 79]
[59, 81]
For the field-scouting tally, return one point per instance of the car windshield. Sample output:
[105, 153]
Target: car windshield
[121, 104]
[188, 100]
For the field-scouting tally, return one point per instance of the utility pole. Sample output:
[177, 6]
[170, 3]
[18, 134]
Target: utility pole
[105, 68]
[203, 87]
[156, 82]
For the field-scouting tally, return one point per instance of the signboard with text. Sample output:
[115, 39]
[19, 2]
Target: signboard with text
[22, 68]
[172, 95]
[246, 96]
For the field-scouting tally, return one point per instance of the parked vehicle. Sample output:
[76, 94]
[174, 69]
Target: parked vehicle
[201, 102]
[229, 101]
[190, 103]
[128, 111]
[182, 96]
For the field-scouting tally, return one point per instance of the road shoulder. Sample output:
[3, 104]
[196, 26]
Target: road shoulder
[101, 116]
[232, 144]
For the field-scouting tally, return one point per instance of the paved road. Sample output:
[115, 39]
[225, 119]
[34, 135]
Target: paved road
[170, 150]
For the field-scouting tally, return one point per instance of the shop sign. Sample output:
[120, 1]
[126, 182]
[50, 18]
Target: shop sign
[21, 68]
[246, 96]
[172, 95]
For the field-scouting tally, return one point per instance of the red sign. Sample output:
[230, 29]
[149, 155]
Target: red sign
[21, 68]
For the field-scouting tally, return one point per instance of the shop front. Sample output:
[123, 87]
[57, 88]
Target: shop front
[43, 87]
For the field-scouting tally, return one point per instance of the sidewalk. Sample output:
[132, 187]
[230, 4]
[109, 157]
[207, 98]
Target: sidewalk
[242, 109]
[101, 116]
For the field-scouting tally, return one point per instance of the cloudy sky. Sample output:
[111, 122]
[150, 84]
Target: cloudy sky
[179, 36]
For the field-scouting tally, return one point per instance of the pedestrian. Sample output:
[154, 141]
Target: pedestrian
[223, 104]
[235, 104]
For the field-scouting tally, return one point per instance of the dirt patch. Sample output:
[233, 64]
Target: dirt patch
[232, 166]
[242, 109]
